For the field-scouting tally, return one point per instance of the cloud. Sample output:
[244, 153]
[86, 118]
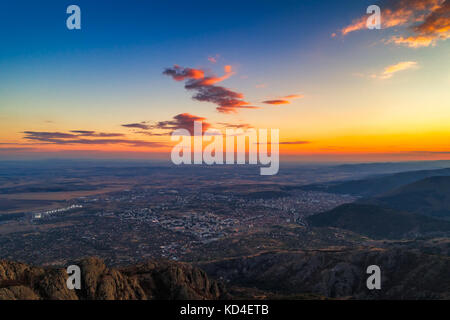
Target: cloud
[153, 134]
[86, 133]
[141, 125]
[180, 74]
[283, 100]
[389, 71]
[397, 13]
[60, 138]
[412, 41]
[422, 152]
[49, 135]
[299, 142]
[295, 142]
[276, 101]
[16, 149]
[436, 26]
[213, 59]
[186, 121]
[228, 101]
[235, 126]
[73, 134]
[182, 121]
[294, 96]
[83, 132]
[356, 25]
[437, 22]
[426, 21]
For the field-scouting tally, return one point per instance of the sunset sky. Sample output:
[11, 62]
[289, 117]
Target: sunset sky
[137, 70]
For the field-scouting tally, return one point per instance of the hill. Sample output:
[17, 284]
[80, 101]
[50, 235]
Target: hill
[301, 274]
[378, 222]
[155, 280]
[341, 274]
[430, 196]
[377, 184]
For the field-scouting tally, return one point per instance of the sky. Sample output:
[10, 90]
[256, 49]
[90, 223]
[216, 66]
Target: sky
[137, 70]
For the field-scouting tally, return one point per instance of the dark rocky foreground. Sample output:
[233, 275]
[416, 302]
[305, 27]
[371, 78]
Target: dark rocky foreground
[405, 274]
[161, 280]
[301, 274]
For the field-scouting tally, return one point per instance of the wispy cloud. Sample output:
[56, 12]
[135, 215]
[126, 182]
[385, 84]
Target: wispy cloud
[186, 121]
[48, 135]
[276, 101]
[389, 71]
[196, 80]
[426, 152]
[213, 59]
[235, 126]
[140, 125]
[295, 142]
[182, 121]
[298, 142]
[85, 133]
[284, 100]
[16, 149]
[425, 21]
[62, 138]
[436, 26]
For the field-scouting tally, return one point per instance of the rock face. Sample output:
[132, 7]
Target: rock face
[152, 280]
[404, 274]
[298, 274]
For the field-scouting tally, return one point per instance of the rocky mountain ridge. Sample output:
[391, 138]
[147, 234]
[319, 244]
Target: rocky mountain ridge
[153, 280]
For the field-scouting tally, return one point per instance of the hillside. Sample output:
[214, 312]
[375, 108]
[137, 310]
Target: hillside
[376, 185]
[430, 196]
[158, 280]
[378, 222]
[341, 274]
[301, 274]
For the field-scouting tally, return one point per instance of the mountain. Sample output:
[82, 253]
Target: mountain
[377, 184]
[430, 196]
[154, 280]
[341, 274]
[378, 222]
[300, 274]
[393, 167]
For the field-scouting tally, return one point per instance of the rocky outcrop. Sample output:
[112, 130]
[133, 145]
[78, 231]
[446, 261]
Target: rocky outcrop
[151, 280]
[404, 274]
[314, 274]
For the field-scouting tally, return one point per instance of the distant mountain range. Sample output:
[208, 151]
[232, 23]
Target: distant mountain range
[376, 185]
[378, 222]
[406, 211]
[430, 196]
